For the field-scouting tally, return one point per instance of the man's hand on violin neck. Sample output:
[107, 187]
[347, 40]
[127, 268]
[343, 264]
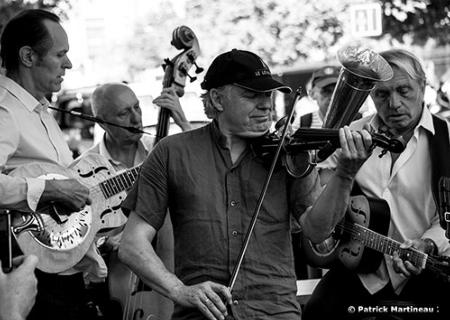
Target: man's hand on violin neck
[355, 149]
[207, 297]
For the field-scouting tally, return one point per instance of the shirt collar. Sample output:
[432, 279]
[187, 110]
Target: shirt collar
[21, 94]
[425, 122]
[218, 136]
[102, 150]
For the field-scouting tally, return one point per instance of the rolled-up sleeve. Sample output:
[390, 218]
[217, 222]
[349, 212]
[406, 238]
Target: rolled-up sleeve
[15, 192]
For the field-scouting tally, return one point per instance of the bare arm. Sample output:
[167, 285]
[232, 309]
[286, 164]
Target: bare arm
[330, 207]
[137, 252]
[68, 192]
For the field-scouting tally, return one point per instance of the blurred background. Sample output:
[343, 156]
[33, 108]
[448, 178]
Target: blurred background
[118, 40]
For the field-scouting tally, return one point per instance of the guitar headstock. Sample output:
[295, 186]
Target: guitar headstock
[176, 70]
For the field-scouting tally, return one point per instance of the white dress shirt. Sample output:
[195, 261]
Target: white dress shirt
[28, 133]
[407, 190]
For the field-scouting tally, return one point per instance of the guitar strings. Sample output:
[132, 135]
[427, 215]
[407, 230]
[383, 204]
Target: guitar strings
[352, 229]
[432, 263]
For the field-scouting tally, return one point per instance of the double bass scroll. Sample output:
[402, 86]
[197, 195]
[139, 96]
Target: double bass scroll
[176, 71]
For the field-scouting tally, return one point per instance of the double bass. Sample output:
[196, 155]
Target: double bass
[138, 301]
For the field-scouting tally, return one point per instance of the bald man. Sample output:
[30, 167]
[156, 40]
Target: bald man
[117, 103]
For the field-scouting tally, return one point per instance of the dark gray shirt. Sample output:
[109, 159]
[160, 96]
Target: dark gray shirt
[211, 202]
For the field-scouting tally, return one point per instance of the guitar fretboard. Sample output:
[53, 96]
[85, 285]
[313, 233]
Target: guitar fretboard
[121, 182]
[383, 244]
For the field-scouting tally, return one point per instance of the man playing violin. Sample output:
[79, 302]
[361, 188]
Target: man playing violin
[210, 179]
[404, 180]
[34, 50]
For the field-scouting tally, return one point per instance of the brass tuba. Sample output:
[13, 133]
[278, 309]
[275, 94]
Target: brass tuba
[361, 69]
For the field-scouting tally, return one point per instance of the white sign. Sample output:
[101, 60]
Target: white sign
[365, 19]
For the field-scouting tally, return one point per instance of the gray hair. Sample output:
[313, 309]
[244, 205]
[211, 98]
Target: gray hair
[208, 105]
[407, 62]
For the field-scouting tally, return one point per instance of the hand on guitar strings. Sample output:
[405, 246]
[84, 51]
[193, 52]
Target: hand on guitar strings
[405, 267]
[70, 194]
[207, 297]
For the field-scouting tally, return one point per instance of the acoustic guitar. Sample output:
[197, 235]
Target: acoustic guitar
[65, 238]
[359, 242]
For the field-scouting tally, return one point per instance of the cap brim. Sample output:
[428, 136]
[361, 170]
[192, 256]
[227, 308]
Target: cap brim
[324, 82]
[264, 85]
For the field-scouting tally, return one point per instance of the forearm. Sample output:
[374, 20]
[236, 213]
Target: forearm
[20, 193]
[137, 252]
[329, 208]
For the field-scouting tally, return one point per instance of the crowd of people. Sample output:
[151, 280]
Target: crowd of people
[189, 210]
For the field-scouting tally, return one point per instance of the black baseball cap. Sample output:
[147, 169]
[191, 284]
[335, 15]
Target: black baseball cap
[244, 69]
[325, 76]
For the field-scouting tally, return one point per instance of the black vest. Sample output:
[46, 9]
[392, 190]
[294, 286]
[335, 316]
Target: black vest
[440, 166]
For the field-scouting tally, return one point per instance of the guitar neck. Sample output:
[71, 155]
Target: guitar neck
[120, 182]
[383, 244]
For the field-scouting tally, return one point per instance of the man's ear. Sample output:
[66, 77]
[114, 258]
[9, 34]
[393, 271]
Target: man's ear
[26, 56]
[216, 99]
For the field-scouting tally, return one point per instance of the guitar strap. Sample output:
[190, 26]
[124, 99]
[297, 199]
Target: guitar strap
[440, 167]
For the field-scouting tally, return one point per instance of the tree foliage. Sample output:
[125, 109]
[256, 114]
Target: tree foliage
[9, 8]
[283, 32]
[417, 20]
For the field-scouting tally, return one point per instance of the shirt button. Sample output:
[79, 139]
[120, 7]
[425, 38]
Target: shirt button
[233, 203]
[234, 233]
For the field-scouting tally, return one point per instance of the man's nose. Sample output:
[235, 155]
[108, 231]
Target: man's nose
[394, 101]
[265, 103]
[136, 117]
[67, 64]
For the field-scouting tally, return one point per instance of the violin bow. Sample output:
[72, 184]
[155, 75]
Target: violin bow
[299, 93]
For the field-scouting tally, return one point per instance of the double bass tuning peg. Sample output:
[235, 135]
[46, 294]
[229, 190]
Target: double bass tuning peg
[185, 72]
[192, 57]
[191, 78]
[197, 68]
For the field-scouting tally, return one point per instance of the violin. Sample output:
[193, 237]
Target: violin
[295, 156]
[138, 301]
